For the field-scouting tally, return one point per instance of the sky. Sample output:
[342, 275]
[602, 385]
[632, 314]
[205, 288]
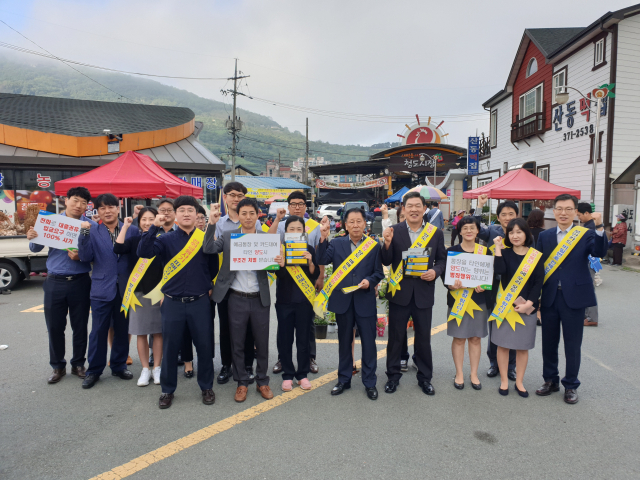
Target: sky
[383, 61]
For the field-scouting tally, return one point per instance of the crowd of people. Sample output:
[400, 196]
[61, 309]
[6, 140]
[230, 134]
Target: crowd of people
[161, 274]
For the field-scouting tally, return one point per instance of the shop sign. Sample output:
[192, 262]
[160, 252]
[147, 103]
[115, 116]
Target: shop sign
[472, 155]
[196, 181]
[1, 180]
[44, 181]
[378, 182]
[421, 160]
[184, 179]
[211, 183]
[265, 193]
[571, 110]
[113, 147]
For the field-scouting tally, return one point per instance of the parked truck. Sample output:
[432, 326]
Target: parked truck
[17, 261]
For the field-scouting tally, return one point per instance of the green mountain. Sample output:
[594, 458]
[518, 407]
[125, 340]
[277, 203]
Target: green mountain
[261, 139]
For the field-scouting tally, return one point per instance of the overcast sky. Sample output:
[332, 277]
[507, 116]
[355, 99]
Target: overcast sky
[379, 58]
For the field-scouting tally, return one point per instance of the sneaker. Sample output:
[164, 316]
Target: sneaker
[287, 385]
[156, 375]
[143, 381]
[404, 365]
[305, 384]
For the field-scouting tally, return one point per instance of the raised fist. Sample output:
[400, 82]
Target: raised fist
[159, 220]
[498, 242]
[325, 221]
[482, 199]
[325, 229]
[215, 213]
[128, 221]
[281, 213]
[86, 225]
[597, 217]
[388, 236]
[136, 210]
[31, 234]
[384, 210]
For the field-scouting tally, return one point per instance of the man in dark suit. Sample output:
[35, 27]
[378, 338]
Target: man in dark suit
[415, 297]
[355, 308]
[248, 296]
[95, 244]
[565, 295]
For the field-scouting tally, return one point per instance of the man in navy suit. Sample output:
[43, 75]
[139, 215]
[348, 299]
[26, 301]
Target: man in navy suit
[565, 295]
[96, 245]
[355, 308]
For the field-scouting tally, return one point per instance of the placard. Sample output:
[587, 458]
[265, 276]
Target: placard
[295, 248]
[471, 269]
[254, 251]
[57, 231]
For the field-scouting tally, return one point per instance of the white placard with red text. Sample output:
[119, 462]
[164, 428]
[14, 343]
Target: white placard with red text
[473, 270]
[254, 251]
[57, 231]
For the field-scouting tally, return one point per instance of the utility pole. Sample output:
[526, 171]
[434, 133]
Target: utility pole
[305, 172]
[278, 166]
[234, 125]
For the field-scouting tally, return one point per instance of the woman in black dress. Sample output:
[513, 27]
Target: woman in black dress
[523, 338]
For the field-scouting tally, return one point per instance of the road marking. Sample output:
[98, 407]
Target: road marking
[36, 309]
[170, 449]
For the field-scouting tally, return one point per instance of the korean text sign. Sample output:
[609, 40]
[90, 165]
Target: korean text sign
[254, 251]
[57, 231]
[471, 269]
[472, 155]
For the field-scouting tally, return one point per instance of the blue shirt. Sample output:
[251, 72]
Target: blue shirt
[195, 277]
[58, 262]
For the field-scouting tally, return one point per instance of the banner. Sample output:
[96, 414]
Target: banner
[57, 231]
[265, 193]
[378, 182]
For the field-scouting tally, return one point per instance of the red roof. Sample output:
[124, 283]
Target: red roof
[131, 175]
[520, 185]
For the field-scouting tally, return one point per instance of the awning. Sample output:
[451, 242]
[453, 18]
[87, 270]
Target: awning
[520, 185]
[131, 175]
[397, 197]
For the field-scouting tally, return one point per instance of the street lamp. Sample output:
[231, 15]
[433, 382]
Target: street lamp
[562, 98]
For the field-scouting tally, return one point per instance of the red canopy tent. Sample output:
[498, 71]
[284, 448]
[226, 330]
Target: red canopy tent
[131, 175]
[520, 185]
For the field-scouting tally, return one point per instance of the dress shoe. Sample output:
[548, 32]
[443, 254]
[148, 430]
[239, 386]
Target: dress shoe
[79, 371]
[475, 386]
[372, 393]
[522, 393]
[90, 380]
[265, 391]
[427, 388]
[123, 374]
[492, 372]
[252, 377]
[570, 396]
[511, 375]
[404, 365]
[224, 375]
[241, 394]
[208, 397]
[314, 366]
[590, 323]
[391, 386]
[459, 386]
[57, 375]
[338, 388]
[180, 361]
[354, 371]
[165, 400]
[188, 373]
[504, 392]
[277, 368]
[151, 360]
[129, 360]
[547, 388]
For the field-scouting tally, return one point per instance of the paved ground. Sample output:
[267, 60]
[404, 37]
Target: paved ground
[62, 431]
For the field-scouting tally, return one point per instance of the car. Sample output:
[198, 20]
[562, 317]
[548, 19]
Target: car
[328, 209]
[17, 262]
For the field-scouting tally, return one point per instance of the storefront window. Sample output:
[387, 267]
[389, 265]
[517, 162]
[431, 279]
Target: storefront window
[7, 194]
[36, 187]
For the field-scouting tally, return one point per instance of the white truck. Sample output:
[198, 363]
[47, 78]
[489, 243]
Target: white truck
[17, 261]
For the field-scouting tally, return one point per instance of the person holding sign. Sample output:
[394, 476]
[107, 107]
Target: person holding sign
[66, 290]
[295, 293]
[184, 295]
[467, 313]
[137, 280]
[350, 294]
[411, 295]
[567, 291]
[249, 298]
[521, 276]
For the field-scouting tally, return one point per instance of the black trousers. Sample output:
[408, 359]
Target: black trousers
[454, 235]
[186, 351]
[197, 315]
[367, 328]
[60, 297]
[398, 318]
[225, 337]
[294, 317]
[492, 352]
[572, 322]
[618, 249]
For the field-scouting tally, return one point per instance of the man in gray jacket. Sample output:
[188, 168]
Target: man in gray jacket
[248, 296]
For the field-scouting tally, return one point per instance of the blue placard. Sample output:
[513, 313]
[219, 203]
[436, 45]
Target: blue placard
[472, 155]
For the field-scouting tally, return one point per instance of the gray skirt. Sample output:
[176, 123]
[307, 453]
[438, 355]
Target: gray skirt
[469, 327]
[146, 319]
[523, 338]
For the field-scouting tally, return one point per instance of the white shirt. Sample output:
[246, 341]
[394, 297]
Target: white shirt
[225, 224]
[413, 235]
[560, 234]
[246, 281]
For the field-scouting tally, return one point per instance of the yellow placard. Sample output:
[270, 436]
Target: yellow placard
[350, 289]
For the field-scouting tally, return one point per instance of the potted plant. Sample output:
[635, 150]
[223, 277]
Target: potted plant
[321, 327]
[331, 320]
[381, 324]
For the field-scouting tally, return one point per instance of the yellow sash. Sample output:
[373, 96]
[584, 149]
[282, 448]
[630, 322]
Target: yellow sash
[504, 301]
[129, 299]
[176, 264]
[321, 300]
[301, 279]
[562, 250]
[310, 225]
[422, 241]
[464, 303]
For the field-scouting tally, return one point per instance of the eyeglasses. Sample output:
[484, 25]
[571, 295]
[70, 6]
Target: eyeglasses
[165, 210]
[565, 210]
[235, 196]
[297, 204]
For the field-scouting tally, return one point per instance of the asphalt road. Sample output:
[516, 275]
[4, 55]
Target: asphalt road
[63, 432]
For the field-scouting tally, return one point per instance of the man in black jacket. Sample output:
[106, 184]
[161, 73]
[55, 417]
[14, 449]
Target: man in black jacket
[414, 298]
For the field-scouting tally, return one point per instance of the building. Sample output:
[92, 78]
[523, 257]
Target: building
[530, 129]
[275, 169]
[46, 139]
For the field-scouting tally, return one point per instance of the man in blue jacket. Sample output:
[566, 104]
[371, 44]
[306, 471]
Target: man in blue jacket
[355, 308]
[567, 291]
[95, 244]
